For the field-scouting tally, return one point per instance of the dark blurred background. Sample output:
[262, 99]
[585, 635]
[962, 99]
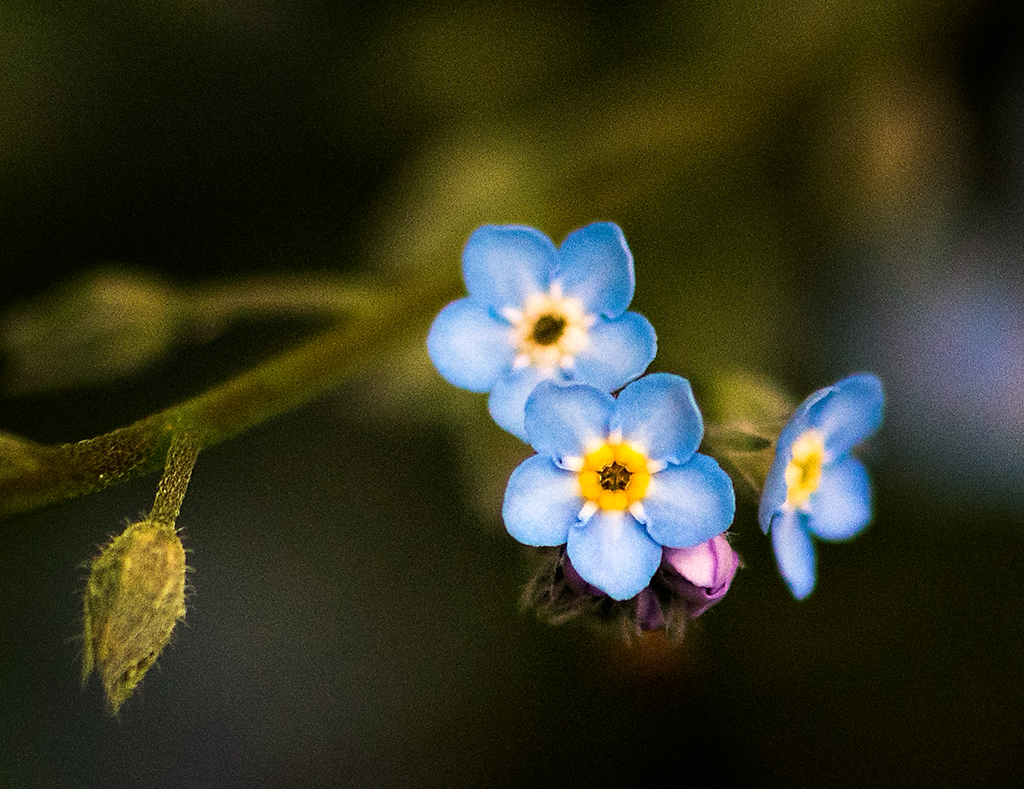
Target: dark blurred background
[808, 189]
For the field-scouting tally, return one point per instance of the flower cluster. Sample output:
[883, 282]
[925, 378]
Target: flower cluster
[635, 516]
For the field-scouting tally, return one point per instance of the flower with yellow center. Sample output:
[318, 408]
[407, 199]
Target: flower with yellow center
[536, 312]
[614, 477]
[617, 480]
[815, 486]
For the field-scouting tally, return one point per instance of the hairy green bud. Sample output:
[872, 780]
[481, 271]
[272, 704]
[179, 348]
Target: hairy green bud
[134, 598]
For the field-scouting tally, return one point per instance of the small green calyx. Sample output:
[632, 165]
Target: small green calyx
[134, 598]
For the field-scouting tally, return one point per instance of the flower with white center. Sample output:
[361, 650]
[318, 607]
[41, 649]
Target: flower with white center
[617, 479]
[815, 485]
[537, 313]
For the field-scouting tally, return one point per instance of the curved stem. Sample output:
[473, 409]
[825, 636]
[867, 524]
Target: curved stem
[32, 475]
[211, 306]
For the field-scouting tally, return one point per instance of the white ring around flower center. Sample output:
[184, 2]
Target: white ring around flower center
[554, 308]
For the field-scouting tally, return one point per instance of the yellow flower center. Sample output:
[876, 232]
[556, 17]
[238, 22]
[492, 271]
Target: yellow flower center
[803, 474]
[550, 330]
[614, 476]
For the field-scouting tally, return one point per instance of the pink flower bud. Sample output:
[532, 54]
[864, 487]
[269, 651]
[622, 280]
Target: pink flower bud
[701, 574]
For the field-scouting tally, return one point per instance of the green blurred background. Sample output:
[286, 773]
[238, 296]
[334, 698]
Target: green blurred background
[808, 189]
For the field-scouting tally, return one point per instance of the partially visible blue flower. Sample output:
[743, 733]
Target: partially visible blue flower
[617, 479]
[538, 313]
[815, 485]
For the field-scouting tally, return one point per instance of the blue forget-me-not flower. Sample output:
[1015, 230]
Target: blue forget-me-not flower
[536, 312]
[617, 479]
[815, 486]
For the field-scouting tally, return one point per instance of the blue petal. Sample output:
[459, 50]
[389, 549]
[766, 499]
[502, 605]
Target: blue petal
[794, 553]
[541, 502]
[596, 266]
[507, 402]
[797, 424]
[617, 352]
[841, 507]
[613, 552]
[775, 490]
[469, 347]
[689, 504]
[659, 414]
[502, 265]
[851, 413]
[564, 421]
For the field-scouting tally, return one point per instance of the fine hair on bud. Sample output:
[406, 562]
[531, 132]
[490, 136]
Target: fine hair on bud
[133, 599]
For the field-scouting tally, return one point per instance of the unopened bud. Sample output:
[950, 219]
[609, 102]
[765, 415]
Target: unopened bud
[134, 598]
[106, 324]
[700, 576]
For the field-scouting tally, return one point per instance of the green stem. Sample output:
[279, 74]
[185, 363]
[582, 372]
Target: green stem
[181, 458]
[213, 306]
[33, 475]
